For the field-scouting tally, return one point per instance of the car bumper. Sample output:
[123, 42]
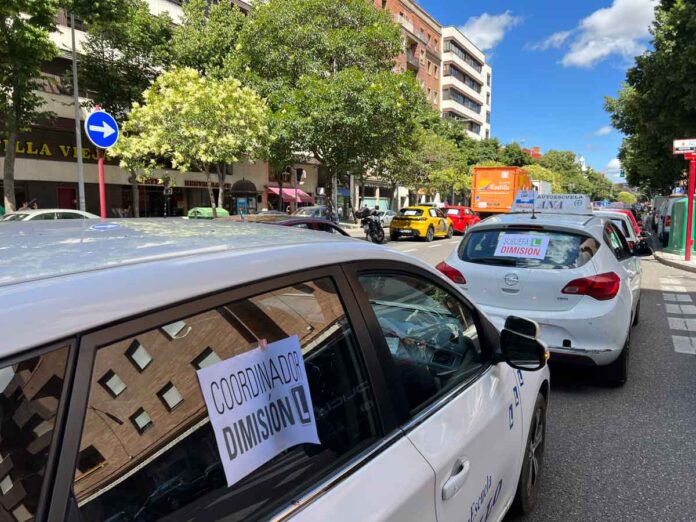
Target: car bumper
[591, 333]
[407, 231]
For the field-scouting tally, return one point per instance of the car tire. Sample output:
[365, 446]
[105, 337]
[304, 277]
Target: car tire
[393, 236]
[636, 316]
[450, 232]
[616, 373]
[430, 234]
[529, 483]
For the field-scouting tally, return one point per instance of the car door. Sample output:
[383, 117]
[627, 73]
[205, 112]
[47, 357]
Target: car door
[140, 444]
[461, 412]
[440, 221]
[629, 264]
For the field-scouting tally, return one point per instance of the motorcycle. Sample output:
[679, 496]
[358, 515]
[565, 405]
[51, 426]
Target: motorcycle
[372, 225]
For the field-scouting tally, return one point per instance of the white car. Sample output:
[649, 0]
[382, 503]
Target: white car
[573, 274]
[664, 223]
[49, 214]
[417, 408]
[386, 216]
[623, 223]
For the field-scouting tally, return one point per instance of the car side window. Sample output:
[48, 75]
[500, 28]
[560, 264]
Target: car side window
[30, 391]
[44, 217]
[616, 242]
[70, 215]
[148, 451]
[468, 212]
[432, 212]
[439, 213]
[430, 334]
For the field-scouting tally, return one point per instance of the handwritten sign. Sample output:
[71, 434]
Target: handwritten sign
[525, 246]
[259, 405]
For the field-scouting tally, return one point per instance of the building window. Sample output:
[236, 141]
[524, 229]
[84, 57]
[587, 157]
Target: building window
[6, 484]
[474, 127]
[138, 356]
[176, 330]
[112, 383]
[488, 116]
[88, 459]
[452, 94]
[453, 47]
[206, 358]
[170, 396]
[488, 134]
[488, 79]
[430, 68]
[467, 80]
[384, 4]
[141, 420]
[488, 98]
[436, 69]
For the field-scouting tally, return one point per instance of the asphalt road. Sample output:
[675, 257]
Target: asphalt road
[624, 453]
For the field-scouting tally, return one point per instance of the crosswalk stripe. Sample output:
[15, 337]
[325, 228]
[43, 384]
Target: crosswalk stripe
[683, 344]
[681, 298]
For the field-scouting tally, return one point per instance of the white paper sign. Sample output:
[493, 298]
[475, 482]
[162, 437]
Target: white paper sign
[525, 246]
[259, 405]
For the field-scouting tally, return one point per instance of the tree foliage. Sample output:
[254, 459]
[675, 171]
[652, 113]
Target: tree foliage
[657, 104]
[198, 123]
[627, 197]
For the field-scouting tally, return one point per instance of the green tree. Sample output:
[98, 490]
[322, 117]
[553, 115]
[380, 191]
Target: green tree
[24, 46]
[657, 104]
[296, 52]
[513, 155]
[200, 123]
[207, 37]
[626, 197]
[537, 172]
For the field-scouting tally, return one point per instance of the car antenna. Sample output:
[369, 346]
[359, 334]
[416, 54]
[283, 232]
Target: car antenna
[533, 203]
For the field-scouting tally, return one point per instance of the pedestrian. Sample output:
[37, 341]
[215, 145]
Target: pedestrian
[34, 204]
[25, 205]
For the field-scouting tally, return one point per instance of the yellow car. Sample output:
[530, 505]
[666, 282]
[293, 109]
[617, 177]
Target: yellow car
[421, 222]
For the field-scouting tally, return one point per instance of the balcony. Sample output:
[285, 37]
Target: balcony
[412, 61]
[406, 24]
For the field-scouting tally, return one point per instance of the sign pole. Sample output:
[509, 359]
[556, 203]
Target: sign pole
[690, 207]
[102, 186]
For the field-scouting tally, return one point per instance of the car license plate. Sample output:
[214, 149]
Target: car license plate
[406, 231]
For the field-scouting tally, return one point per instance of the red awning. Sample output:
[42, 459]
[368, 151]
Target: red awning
[289, 195]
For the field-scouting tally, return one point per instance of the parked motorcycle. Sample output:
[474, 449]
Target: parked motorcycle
[372, 225]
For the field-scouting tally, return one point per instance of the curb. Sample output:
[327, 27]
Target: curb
[674, 264]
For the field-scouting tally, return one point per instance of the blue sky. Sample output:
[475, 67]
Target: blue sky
[553, 62]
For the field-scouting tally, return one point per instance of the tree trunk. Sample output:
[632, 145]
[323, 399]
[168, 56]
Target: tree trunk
[221, 183]
[8, 174]
[211, 194]
[135, 195]
[394, 205]
[329, 195]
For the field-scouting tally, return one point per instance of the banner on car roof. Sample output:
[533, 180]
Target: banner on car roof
[259, 405]
[555, 203]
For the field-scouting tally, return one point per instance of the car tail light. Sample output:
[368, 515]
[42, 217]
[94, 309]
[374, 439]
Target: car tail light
[668, 220]
[451, 272]
[602, 287]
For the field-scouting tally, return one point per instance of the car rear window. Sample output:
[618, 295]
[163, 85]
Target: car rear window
[411, 212]
[549, 249]
[452, 211]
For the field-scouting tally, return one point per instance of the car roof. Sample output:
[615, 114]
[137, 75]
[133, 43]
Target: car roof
[60, 278]
[47, 210]
[418, 207]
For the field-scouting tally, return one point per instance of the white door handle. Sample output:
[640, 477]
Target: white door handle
[456, 480]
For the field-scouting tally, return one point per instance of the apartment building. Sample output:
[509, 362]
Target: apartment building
[466, 83]
[422, 45]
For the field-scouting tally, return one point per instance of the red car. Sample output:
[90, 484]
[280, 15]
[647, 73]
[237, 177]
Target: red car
[462, 217]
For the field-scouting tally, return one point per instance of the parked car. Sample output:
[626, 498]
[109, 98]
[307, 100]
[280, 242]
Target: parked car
[630, 214]
[386, 216]
[420, 407]
[207, 213]
[47, 214]
[285, 220]
[421, 221]
[665, 218]
[574, 274]
[462, 217]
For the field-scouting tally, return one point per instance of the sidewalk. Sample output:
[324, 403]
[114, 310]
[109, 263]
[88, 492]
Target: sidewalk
[676, 260]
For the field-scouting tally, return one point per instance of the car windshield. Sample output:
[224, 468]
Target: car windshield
[411, 212]
[533, 248]
[307, 211]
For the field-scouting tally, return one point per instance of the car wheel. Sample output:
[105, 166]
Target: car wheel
[393, 236]
[430, 234]
[378, 237]
[450, 232]
[636, 317]
[616, 373]
[529, 484]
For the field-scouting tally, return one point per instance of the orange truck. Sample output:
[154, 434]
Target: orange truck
[493, 189]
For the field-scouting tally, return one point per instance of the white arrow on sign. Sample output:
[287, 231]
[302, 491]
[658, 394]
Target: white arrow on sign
[105, 129]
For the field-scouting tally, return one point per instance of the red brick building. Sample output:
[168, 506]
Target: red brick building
[422, 42]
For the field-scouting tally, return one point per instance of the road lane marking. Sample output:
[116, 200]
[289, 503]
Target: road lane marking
[681, 309]
[679, 323]
[681, 298]
[683, 344]
[433, 246]
[410, 250]
[680, 289]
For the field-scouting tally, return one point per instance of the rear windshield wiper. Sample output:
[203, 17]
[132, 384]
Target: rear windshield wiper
[492, 261]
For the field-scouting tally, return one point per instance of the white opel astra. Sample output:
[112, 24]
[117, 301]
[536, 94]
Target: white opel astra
[575, 275]
[189, 370]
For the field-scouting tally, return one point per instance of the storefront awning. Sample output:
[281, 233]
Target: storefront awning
[289, 195]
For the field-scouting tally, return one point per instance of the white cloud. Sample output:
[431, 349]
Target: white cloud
[613, 171]
[488, 30]
[620, 29]
[603, 131]
[551, 42]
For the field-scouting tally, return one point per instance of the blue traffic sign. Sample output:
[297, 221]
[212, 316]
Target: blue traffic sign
[101, 129]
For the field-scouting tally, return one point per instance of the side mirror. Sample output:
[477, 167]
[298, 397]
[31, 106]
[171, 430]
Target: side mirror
[642, 249]
[520, 344]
